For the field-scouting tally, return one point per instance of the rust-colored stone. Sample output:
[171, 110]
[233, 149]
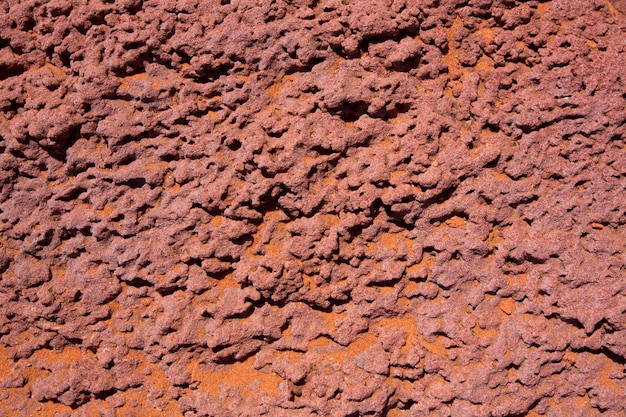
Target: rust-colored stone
[296, 208]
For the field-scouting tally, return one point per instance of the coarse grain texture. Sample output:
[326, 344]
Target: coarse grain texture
[300, 208]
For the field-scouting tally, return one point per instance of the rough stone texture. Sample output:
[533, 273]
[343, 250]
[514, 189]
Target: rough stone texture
[296, 208]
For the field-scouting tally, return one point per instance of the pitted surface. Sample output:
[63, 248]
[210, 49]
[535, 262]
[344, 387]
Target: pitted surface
[225, 208]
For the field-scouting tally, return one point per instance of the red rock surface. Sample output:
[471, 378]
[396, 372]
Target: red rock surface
[297, 208]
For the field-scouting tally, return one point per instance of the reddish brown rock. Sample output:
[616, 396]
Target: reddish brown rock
[219, 208]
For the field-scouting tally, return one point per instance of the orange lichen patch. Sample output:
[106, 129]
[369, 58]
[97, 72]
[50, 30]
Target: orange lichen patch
[386, 290]
[291, 356]
[155, 166]
[507, 305]
[582, 400]
[580, 403]
[484, 134]
[409, 243]
[356, 347]
[94, 408]
[403, 302]
[241, 375]
[156, 83]
[440, 226]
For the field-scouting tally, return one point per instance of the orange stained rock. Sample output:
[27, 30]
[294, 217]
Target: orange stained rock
[241, 374]
[339, 354]
[607, 379]
[487, 33]
[68, 355]
[483, 64]
[136, 398]
[137, 404]
[335, 66]
[55, 70]
[390, 240]
[542, 7]
[435, 347]
[405, 322]
[450, 58]
[485, 334]
[507, 305]
[48, 409]
[34, 371]
[495, 237]
[274, 90]
[428, 260]
[333, 319]
[456, 222]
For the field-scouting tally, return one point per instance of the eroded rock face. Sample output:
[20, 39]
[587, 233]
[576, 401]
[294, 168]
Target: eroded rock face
[220, 208]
